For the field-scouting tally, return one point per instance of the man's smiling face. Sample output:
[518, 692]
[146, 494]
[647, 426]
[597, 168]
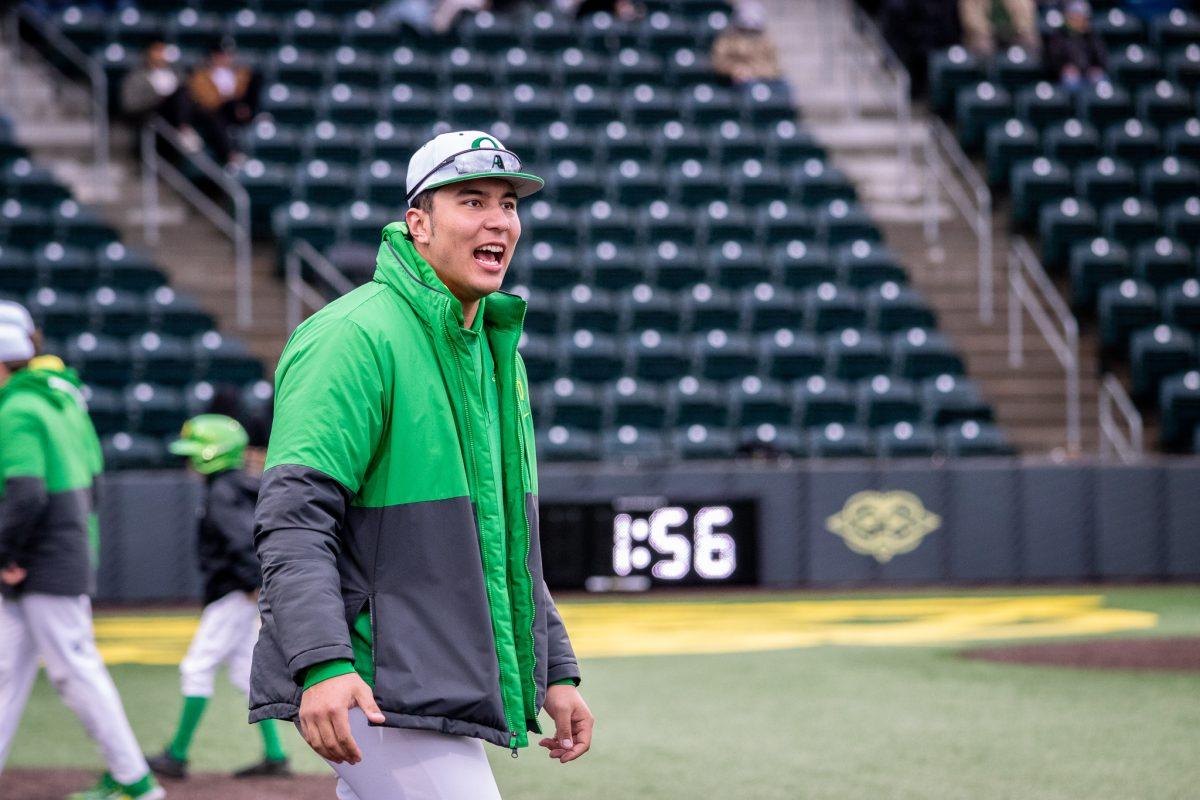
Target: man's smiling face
[468, 235]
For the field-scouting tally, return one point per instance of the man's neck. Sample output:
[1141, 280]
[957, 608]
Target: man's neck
[470, 309]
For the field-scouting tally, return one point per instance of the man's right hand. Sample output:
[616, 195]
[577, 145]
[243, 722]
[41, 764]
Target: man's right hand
[13, 575]
[324, 721]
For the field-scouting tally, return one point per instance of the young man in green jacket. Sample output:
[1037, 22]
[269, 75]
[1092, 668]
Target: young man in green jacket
[49, 460]
[404, 614]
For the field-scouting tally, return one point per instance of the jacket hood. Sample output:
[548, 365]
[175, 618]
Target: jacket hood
[60, 387]
[400, 267]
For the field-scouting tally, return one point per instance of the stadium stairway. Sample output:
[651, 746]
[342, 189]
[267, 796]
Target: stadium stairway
[1029, 401]
[52, 118]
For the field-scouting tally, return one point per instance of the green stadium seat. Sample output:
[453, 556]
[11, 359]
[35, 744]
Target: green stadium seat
[287, 104]
[695, 402]
[1163, 262]
[788, 356]
[560, 444]
[553, 224]
[818, 401]
[722, 356]
[592, 357]
[1181, 220]
[466, 106]
[885, 401]
[664, 33]
[676, 267]
[22, 225]
[551, 268]
[851, 354]
[1183, 66]
[136, 29]
[756, 401]
[1036, 183]
[589, 106]
[122, 268]
[1177, 28]
[1133, 141]
[618, 142]
[693, 184]
[176, 314]
[838, 440]
[1181, 305]
[542, 314]
[1061, 225]
[1123, 308]
[632, 67]
[778, 222]
[949, 71]
[816, 183]
[892, 307]
[1104, 104]
[919, 353]
[1179, 400]
[348, 105]
[542, 361]
[519, 66]
[705, 309]
[31, 185]
[462, 65]
[644, 105]
[572, 404]
[118, 313]
[1104, 180]
[1155, 353]
[223, 360]
[657, 356]
[1007, 143]
[80, 226]
[155, 410]
[766, 309]
[525, 106]
[1135, 66]
[309, 30]
[295, 69]
[766, 104]
[1118, 29]
[802, 264]
[486, 32]
[976, 108]
[1095, 264]
[972, 438]
[268, 186]
[1169, 180]
[1071, 142]
[18, 275]
[106, 407]
[602, 221]
[1182, 139]
[840, 222]
[1043, 104]
[634, 403]
[361, 222]
[299, 220]
[643, 308]
[1163, 104]
[628, 443]
[686, 68]
[787, 145]
[828, 307]
[382, 182]
[411, 68]
[547, 32]
[768, 440]
[719, 222]
[735, 265]
[273, 143]
[613, 268]
[1015, 68]
[732, 143]
[757, 185]
[946, 399]
[700, 442]
[66, 267]
[162, 359]
[86, 28]
[906, 440]
[634, 183]
[102, 361]
[603, 34]
[333, 144]
[574, 185]
[1130, 221]
[861, 264]
[253, 32]
[124, 450]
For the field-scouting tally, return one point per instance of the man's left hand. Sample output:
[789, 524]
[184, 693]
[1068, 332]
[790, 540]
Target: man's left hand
[573, 723]
[12, 574]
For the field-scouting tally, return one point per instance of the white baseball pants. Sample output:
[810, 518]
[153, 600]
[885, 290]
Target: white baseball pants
[226, 634]
[59, 629]
[406, 764]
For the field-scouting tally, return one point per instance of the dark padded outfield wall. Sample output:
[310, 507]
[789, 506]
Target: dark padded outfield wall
[845, 523]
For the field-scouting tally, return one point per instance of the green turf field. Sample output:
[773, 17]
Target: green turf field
[813, 722]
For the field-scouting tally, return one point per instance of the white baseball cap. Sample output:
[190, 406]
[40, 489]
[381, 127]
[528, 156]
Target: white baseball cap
[15, 344]
[12, 313]
[466, 155]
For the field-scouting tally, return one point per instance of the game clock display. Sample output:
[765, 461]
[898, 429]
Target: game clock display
[644, 542]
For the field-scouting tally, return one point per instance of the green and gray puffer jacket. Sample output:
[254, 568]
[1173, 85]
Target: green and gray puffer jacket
[377, 496]
[49, 461]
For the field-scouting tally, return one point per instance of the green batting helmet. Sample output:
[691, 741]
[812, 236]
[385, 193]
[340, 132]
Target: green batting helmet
[212, 442]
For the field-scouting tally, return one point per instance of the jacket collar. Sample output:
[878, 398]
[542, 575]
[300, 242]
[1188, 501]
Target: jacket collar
[400, 267]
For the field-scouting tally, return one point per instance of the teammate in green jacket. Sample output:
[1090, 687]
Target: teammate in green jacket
[49, 461]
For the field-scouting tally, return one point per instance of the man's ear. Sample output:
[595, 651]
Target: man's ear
[418, 225]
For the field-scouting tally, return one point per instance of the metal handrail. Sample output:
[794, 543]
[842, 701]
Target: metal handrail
[864, 44]
[236, 225]
[1112, 439]
[1031, 289]
[946, 164]
[90, 67]
[300, 293]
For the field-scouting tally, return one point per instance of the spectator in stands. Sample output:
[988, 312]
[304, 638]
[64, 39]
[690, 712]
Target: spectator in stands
[1074, 52]
[980, 36]
[744, 54]
[916, 28]
[226, 97]
[156, 87]
[625, 10]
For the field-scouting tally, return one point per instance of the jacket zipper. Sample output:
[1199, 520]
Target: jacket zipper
[528, 542]
[487, 585]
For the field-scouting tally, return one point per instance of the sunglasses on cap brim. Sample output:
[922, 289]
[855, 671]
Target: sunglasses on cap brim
[469, 162]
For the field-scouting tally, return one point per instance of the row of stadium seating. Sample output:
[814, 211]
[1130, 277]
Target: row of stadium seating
[1108, 177]
[84, 288]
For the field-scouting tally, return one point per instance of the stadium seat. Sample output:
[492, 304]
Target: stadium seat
[1162, 262]
[632, 67]
[644, 308]
[122, 268]
[851, 354]
[1135, 66]
[756, 401]
[18, 275]
[1133, 141]
[658, 356]
[977, 107]
[1181, 220]
[1181, 305]
[1118, 29]
[949, 71]
[592, 357]
[1163, 104]
[1179, 399]
[176, 314]
[572, 404]
[765, 309]
[223, 360]
[1007, 143]
[1095, 264]
[613, 268]
[1062, 224]
[701, 442]
[630, 402]
[828, 307]
[57, 314]
[102, 361]
[972, 438]
[1104, 180]
[635, 183]
[1169, 180]
[602, 221]
[551, 267]
[838, 440]
[803, 264]
[1071, 142]
[155, 410]
[1036, 183]
[778, 221]
[1123, 308]
[1176, 28]
[66, 267]
[117, 313]
[583, 308]
[124, 450]
[1155, 353]
[628, 443]
[162, 359]
[695, 402]
[1131, 221]
[1183, 66]
[1182, 139]
[841, 222]
[863, 264]
[919, 353]
[1015, 69]
[676, 267]
[706, 308]
[788, 356]
[946, 399]
[906, 440]
[722, 356]
[1104, 105]
[1043, 104]
[815, 183]
[891, 307]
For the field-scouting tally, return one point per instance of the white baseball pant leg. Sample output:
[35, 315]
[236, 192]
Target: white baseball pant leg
[226, 634]
[18, 669]
[405, 764]
[61, 629]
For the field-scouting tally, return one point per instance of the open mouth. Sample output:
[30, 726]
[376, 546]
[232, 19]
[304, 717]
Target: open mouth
[489, 256]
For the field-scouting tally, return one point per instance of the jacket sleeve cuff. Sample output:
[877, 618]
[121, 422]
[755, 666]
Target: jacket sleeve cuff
[563, 672]
[326, 670]
[566, 682]
[334, 652]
